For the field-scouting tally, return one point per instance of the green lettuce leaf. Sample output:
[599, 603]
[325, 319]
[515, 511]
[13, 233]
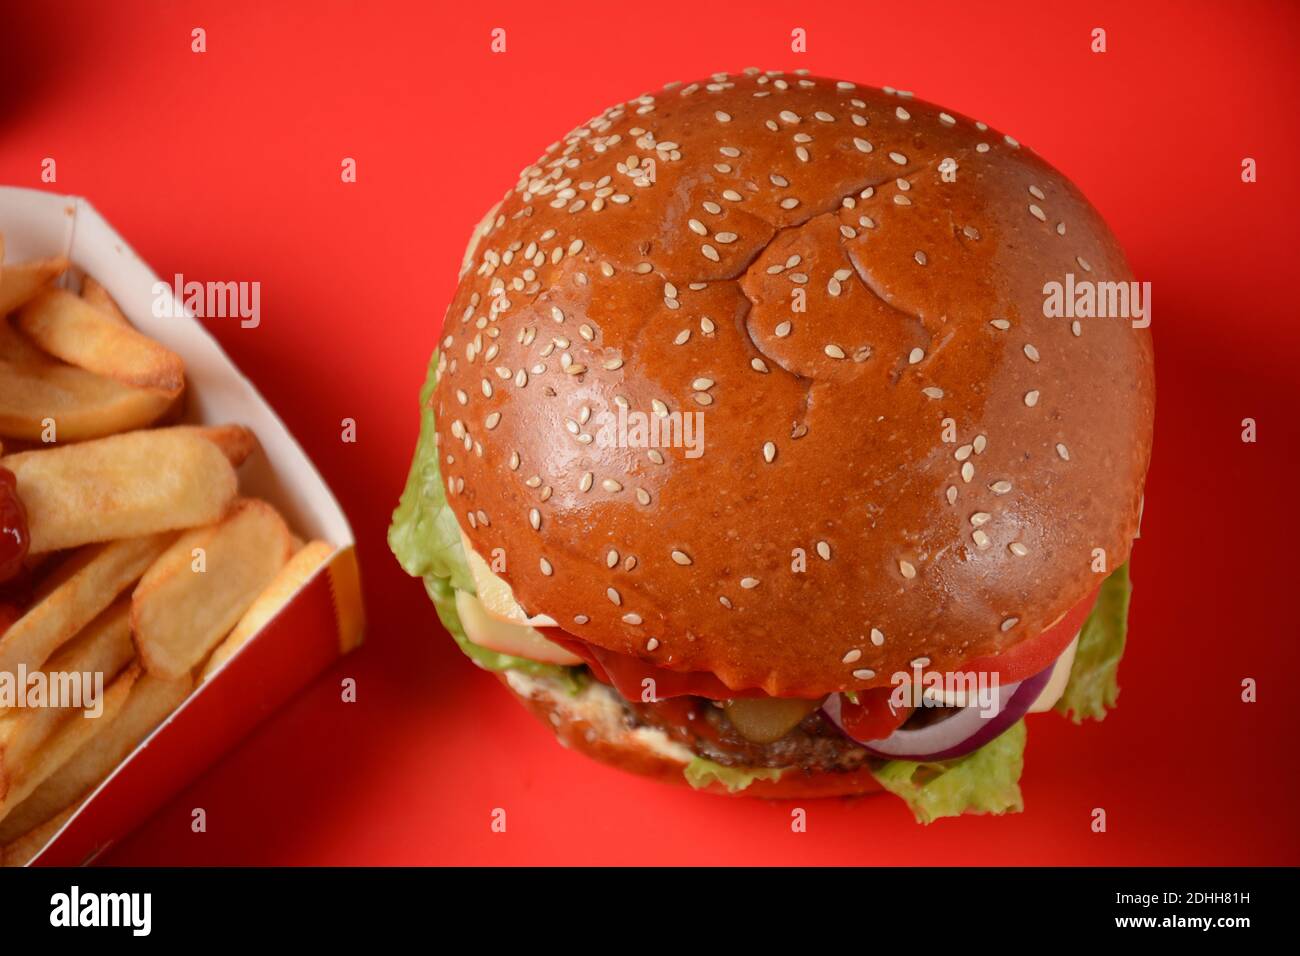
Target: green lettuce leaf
[424, 535]
[425, 538]
[984, 781]
[1093, 687]
[701, 772]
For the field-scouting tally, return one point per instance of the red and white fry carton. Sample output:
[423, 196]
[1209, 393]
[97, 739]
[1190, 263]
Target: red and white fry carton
[322, 621]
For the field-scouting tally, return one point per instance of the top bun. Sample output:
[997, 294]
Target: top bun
[902, 456]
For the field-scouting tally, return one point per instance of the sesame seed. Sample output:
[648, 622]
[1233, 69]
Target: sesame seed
[614, 597]
[611, 559]
[902, 114]
[980, 538]
[1000, 487]
[980, 518]
[947, 120]
[546, 567]
[980, 443]
[1063, 452]
[585, 483]
[1031, 353]
[769, 452]
[861, 144]
[749, 583]
[1009, 623]
[681, 557]
[710, 253]
[967, 472]
[915, 356]
[1031, 398]
[1036, 192]
[631, 618]
[535, 518]
[610, 485]
[932, 392]
[758, 365]
[864, 674]
[1037, 213]
[906, 569]
[823, 550]
[722, 117]
[700, 384]
[920, 257]
[834, 351]
[1018, 549]
[852, 657]
[1001, 324]
[703, 398]
[697, 227]
[877, 637]
[951, 494]
[651, 644]
[899, 158]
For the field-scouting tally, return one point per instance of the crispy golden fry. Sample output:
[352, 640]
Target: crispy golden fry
[149, 702]
[122, 486]
[178, 613]
[21, 281]
[75, 597]
[81, 405]
[104, 647]
[18, 349]
[23, 849]
[235, 441]
[72, 329]
[268, 604]
[98, 296]
[66, 741]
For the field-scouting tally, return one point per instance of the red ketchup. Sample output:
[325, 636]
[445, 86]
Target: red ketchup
[14, 542]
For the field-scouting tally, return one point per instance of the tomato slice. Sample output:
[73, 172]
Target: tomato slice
[871, 718]
[628, 674]
[1036, 654]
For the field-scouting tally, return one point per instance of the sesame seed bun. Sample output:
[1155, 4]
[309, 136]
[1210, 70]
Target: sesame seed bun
[902, 457]
[594, 723]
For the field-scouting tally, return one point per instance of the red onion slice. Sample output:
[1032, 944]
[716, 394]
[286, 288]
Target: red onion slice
[959, 734]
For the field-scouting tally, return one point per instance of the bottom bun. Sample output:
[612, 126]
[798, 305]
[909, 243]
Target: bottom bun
[594, 721]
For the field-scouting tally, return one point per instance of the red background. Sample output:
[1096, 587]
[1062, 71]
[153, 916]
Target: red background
[226, 166]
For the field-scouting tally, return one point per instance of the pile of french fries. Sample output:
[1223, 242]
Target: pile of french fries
[147, 564]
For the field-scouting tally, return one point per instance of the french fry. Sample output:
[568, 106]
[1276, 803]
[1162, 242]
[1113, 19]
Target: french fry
[69, 328]
[277, 594]
[122, 486]
[178, 614]
[149, 702]
[235, 441]
[82, 406]
[98, 296]
[23, 848]
[20, 281]
[104, 647]
[66, 741]
[77, 597]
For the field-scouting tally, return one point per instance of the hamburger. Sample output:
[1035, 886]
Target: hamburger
[752, 456]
